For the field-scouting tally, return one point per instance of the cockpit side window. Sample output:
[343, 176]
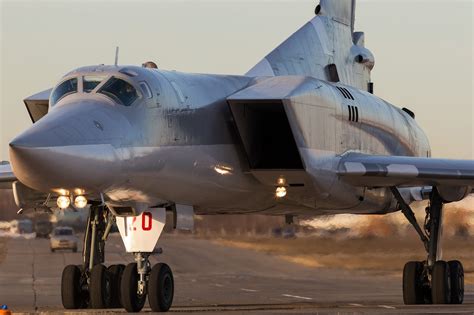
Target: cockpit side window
[90, 82]
[146, 89]
[120, 90]
[63, 89]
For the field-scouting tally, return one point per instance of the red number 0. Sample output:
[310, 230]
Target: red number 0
[147, 221]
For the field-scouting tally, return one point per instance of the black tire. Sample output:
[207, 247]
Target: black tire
[71, 292]
[74, 250]
[412, 283]
[99, 287]
[457, 281]
[131, 301]
[160, 288]
[441, 283]
[116, 272]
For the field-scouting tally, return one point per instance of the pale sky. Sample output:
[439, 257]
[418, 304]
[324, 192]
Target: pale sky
[423, 50]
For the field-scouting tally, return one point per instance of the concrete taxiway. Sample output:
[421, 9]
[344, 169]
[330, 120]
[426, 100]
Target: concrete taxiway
[211, 278]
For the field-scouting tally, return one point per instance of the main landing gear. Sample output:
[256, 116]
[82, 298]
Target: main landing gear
[92, 285]
[432, 281]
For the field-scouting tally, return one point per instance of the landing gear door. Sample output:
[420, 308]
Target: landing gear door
[141, 233]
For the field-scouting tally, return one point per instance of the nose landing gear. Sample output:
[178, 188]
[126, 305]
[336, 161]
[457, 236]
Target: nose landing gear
[160, 288]
[432, 281]
[139, 280]
[132, 292]
[92, 285]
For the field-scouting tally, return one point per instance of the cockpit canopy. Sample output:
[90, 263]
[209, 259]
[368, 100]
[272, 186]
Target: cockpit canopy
[120, 91]
[65, 88]
[117, 89]
[90, 82]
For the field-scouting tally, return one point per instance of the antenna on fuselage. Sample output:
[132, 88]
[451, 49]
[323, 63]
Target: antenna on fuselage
[116, 55]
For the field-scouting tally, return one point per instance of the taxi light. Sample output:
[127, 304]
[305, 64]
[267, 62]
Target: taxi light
[63, 202]
[80, 202]
[223, 170]
[280, 192]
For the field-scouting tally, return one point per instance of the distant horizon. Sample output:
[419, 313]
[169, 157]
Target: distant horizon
[424, 52]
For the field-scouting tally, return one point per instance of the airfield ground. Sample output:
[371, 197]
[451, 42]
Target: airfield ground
[374, 255]
[251, 276]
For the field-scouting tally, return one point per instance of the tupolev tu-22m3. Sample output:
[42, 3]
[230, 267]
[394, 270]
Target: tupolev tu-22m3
[301, 133]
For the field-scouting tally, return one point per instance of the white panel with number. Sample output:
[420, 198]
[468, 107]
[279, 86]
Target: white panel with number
[141, 233]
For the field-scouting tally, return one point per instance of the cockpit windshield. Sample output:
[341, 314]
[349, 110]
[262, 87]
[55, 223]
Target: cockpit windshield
[90, 82]
[120, 91]
[63, 89]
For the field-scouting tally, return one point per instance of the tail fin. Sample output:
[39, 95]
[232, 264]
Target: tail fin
[326, 48]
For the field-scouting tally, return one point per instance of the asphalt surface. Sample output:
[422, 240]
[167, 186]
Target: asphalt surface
[215, 279]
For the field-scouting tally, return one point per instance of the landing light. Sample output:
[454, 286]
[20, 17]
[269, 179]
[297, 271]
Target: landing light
[63, 202]
[280, 192]
[281, 181]
[80, 202]
[223, 170]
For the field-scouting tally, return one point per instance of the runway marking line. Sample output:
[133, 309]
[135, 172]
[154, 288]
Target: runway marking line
[356, 304]
[388, 307]
[248, 290]
[297, 297]
[218, 285]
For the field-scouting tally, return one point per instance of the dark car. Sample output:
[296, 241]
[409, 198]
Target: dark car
[43, 229]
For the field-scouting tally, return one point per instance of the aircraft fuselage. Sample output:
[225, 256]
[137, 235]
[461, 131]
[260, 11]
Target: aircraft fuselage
[178, 142]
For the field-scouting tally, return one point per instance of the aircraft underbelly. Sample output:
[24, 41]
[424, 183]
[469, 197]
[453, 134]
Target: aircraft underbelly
[211, 178]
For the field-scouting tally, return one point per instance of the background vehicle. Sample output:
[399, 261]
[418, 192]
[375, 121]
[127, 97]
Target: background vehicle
[43, 228]
[63, 237]
[21, 226]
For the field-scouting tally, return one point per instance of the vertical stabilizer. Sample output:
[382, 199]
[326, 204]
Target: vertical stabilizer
[326, 48]
[342, 11]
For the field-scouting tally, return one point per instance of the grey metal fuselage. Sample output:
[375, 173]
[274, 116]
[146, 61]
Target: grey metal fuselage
[181, 145]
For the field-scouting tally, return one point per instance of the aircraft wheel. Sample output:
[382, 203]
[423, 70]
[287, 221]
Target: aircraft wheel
[441, 283]
[160, 288]
[71, 291]
[412, 283]
[457, 281]
[116, 272]
[100, 287]
[131, 300]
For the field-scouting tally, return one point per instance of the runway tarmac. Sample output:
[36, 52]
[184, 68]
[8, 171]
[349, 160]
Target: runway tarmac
[212, 278]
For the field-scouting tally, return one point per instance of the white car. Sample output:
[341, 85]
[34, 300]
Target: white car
[63, 237]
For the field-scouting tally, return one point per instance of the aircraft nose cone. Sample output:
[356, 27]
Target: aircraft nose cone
[71, 147]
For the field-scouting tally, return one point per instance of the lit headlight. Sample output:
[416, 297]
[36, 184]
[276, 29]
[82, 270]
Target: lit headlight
[280, 192]
[80, 202]
[63, 202]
